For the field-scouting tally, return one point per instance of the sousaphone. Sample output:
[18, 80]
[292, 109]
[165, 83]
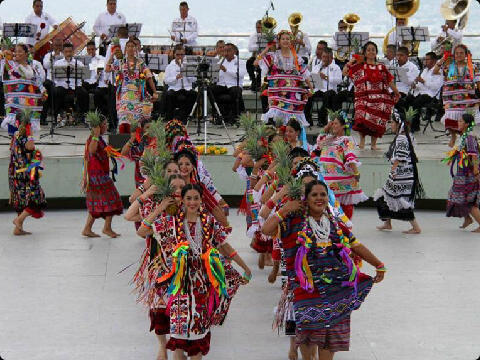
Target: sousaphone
[401, 9]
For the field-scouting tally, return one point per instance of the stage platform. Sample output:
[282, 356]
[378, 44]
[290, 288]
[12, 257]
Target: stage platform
[64, 161]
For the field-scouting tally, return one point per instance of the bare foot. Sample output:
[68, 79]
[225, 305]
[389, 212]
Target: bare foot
[90, 234]
[162, 355]
[477, 230]
[451, 143]
[374, 148]
[268, 260]
[293, 354]
[272, 277]
[466, 223]
[110, 233]
[384, 227]
[412, 231]
[20, 232]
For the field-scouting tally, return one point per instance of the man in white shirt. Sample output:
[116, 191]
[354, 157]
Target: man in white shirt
[228, 91]
[317, 58]
[341, 56]
[390, 55]
[69, 87]
[406, 85]
[426, 89]
[393, 38]
[331, 76]
[256, 43]
[36, 65]
[180, 93]
[42, 20]
[107, 19]
[302, 45]
[48, 61]
[185, 28]
[96, 82]
[449, 33]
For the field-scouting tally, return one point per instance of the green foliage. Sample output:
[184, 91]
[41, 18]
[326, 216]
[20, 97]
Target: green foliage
[248, 122]
[410, 114]
[280, 150]
[93, 119]
[156, 130]
[295, 189]
[159, 179]
[254, 149]
[148, 161]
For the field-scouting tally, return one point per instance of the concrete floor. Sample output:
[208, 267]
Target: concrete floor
[62, 297]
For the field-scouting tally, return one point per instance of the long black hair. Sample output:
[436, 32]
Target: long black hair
[195, 187]
[311, 184]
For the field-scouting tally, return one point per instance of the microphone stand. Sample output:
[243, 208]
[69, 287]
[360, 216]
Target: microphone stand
[237, 98]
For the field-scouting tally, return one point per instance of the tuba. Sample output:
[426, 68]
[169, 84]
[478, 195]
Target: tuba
[294, 20]
[351, 20]
[268, 23]
[457, 10]
[402, 9]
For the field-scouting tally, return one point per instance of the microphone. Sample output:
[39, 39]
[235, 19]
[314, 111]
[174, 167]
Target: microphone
[273, 8]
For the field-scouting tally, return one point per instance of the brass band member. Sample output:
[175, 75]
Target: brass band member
[390, 55]
[404, 87]
[180, 93]
[96, 84]
[106, 19]
[228, 91]
[394, 38]
[42, 20]
[70, 87]
[255, 47]
[184, 28]
[317, 58]
[449, 33]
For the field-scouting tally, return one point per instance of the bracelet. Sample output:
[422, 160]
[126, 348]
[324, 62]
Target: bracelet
[141, 188]
[139, 201]
[270, 204]
[278, 215]
[253, 177]
[356, 174]
[94, 138]
[381, 268]
[146, 223]
[233, 254]
[31, 138]
[247, 277]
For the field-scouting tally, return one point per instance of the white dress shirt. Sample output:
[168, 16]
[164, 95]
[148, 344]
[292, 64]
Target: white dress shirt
[39, 70]
[392, 39]
[455, 35]
[71, 63]
[38, 20]
[305, 50]
[334, 74]
[185, 29]
[316, 61]
[228, 78]
[122, 42]
[47, 62]
[412, 73]
[98, 61]
[171, 72]
[105, 20]
[432, 84]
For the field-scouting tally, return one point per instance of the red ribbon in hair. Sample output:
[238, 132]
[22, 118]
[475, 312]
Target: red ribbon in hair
[28, 129]
[138, 134]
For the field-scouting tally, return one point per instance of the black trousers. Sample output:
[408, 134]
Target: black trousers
[226, 99]
[112, 108]
[65, 98]
[100, 97]
[181, 99]
[329, 101]
[47, 105]
[254, 73]
[418, 102]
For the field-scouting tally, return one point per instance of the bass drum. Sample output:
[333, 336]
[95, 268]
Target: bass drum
[67, 30]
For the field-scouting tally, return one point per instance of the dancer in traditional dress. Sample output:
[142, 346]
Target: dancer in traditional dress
[462, 78]
[326, 284]
[134, 147]
[373, 101]
[102, 197]
[23, 89]
[339, 163]
[463, 197]
[200, 288]
[296, 136]
[396, 199]
[131, 75]
[24, 171]
[288, 80]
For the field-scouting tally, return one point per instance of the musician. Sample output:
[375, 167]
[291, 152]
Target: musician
[96, 84]
[341, 56]
[36, 65]
[185, 28]
[42, 20]
[48, 61]
[105, 20]
[454, 36]
[230, 82]
[427, 88]
[69, 87]
[122, 35]
[390, 55]
[393, 39]
[331, 76]
[180, 93]
[254, 46]
[301, 43]
[220, 49]
[317, 58]
[412, 73]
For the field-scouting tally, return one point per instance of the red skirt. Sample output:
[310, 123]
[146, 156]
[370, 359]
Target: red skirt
[372, 114]
[191, 347]
[102, 197]
[261, 244]
[159, 321]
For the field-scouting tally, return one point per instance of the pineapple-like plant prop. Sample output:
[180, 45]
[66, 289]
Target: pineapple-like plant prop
[156, 132]
[409, 115]
[247, 123]
[295, 189]
[163, 189]
[148, 162]
[93, 119]
[280, 151]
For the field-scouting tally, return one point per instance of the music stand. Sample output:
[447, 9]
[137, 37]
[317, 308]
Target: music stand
[412, 34]
[180, 27]
[64, 72]
[317, 80]
[134, 29]
[155, 62]
[399, 74]
[345, 41]
[17, 30]
[84, 59]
